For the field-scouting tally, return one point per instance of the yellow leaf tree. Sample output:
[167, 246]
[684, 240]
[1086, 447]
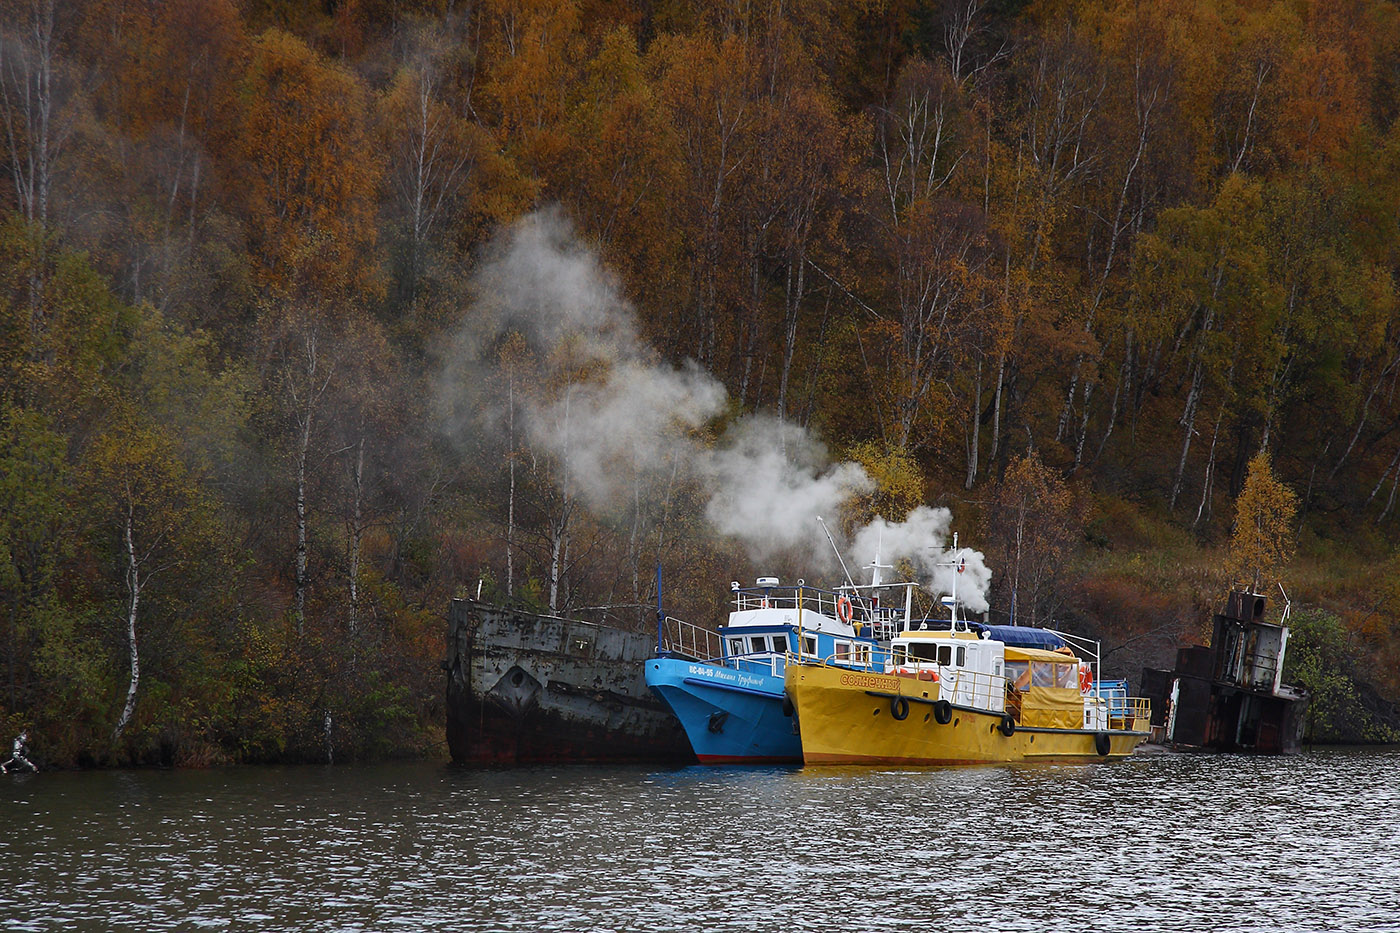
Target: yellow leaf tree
[1265, 538]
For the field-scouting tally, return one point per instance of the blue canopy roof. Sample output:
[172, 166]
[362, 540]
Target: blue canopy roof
[1016, 636]
[1024, 636]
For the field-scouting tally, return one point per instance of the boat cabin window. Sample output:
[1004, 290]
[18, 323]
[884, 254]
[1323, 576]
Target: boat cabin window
[925, 651]
[809, 644]
[1050, 674]
[736, 646]
[928, 651]
[843, 651]
[922, 651]
[1019, 673]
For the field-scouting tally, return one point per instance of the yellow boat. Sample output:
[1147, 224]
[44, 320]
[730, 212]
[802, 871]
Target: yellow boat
[963, 696]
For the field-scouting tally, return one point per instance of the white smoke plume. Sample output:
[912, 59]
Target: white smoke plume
[922, 539]
[541, 279]
[614, 415]
[599, 401]
[625, 424]
[769, 481]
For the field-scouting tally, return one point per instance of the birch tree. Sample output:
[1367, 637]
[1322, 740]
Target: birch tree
[154, 513]
[1264, 538]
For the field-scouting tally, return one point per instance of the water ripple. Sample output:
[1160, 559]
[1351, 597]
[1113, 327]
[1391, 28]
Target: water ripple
[1158, 843]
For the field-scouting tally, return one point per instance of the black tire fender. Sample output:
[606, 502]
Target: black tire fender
[942, 712]
[1008, 726]
[1103, 744]
[899, 708]
[787, 705]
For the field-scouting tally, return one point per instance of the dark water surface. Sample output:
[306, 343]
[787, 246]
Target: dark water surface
[1166, 842]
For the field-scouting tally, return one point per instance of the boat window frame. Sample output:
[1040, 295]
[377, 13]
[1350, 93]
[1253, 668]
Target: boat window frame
[923, 651]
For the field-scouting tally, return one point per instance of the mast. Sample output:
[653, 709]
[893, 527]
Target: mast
[951, 601]
[849, 582]
[875, 566]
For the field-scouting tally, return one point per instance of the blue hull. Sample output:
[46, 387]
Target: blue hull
[730, 716]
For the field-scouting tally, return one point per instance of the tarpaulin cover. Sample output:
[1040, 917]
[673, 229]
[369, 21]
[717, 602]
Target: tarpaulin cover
[1024, 636]
[1053, 708]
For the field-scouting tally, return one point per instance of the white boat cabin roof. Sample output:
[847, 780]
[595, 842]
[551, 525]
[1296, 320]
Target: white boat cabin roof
[809, 608]
[810, 621]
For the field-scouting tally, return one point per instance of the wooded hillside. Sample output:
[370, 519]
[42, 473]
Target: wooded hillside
[313, 316]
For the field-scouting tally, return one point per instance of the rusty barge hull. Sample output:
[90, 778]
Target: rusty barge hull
[525, 688]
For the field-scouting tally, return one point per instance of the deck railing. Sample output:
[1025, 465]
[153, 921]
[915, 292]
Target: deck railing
[811, 599]
[964, 688]
[767, 663]
[881, 622]
[691, 641]
[989, 692]
[1124, 712]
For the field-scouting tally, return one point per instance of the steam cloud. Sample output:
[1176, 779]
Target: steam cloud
[622, 416]
[920, 539]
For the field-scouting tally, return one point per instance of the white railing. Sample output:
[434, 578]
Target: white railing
[964, 688]
[766, 663]
[881, 621]
[810, 599]
[691, 641]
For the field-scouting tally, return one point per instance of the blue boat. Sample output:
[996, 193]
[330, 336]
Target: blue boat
[726, 688]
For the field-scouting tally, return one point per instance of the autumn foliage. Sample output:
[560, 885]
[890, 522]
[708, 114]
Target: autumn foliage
[1041, 262]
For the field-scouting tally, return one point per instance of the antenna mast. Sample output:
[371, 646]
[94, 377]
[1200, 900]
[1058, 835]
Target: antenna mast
[875, 566]
[851, 583]
[952, 601]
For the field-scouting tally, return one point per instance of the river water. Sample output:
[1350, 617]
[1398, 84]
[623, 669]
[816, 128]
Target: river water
[1159, 842]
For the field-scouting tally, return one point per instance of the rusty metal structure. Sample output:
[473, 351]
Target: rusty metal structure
[525, 688]
[1229, 696]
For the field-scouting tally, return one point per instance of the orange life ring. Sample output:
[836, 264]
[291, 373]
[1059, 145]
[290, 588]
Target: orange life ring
[843, 609]
[1086, 679]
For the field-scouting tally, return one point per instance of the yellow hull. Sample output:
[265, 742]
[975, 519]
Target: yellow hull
[847, 717]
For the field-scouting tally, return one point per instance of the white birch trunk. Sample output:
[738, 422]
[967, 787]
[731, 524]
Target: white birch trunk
[133, 584]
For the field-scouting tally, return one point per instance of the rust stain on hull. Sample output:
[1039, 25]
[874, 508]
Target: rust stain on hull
[525, 688]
